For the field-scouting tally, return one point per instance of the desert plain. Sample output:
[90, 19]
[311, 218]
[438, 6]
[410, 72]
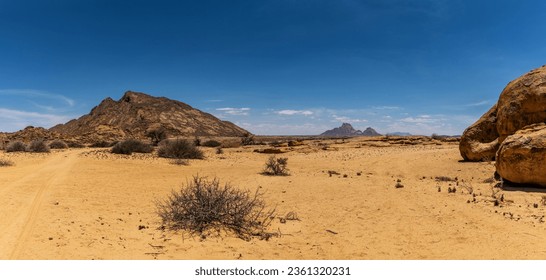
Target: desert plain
[90, 204]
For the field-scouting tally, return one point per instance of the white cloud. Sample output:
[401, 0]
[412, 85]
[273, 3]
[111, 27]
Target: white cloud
[294, 112]
[344, 119]
[13, 120]
[38, 93]
[234, 111]
[480, 103]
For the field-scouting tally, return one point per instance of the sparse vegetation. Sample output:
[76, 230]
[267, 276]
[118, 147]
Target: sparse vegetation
[179, 148]
[102, 144]
[38, 146]
[130, 146]
[197, 141]
[180, 161]
[204, 207]
[72, 144]
[276, 167]
[157, 135]
[58, 144]
[247, 139]
[16, 146]
[211, 144]
[5, 162]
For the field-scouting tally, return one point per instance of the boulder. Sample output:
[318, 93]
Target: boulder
[479, 141]
[521, 157]
[521, 103]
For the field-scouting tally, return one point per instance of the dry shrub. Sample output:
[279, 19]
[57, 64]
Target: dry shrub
[219, 151]
[16, 146]
[130, 146]
[179, 148]
[211, 144]
[5, 162]
[72, 144]
[58, 144]
[203, 207]
[276, 167]
[102, 144]
[38, 146]
[247, 139]
[157, 135]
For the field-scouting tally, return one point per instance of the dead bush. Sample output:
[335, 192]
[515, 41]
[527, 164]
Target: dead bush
[180, 161]
[72, 144]
[179, 148]
[276, 167]
[203, 207]
[247, 139]
[211, 144]
[58, 144]
[130, 146]
[157, 135]
[102, 144]
[16, 146]
[5, 162]
[38, 146]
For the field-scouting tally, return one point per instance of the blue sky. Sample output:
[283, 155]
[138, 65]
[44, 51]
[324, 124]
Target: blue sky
[272, 67]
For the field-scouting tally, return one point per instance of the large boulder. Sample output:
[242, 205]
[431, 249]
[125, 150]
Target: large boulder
[480, 140]
[521, 157]
[521, 103]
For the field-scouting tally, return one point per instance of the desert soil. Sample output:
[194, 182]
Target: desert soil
[90, 204]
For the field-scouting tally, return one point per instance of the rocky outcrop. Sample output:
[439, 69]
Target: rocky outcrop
[521, 103]
[480, 141]
[521, 157]
[137, 113]
[347, 129]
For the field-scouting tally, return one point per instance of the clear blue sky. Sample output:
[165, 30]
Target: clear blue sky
[272, 67]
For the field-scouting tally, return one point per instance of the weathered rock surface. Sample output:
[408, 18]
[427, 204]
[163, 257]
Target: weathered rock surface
[521, 157]
[480, 140]
[137, 113]
[521, 103]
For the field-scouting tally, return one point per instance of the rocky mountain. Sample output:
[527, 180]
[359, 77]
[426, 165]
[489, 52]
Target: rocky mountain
[370, 132]
[347, 129]
[137, 113]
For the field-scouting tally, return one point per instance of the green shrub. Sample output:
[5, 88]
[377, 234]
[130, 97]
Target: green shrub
[203, 207]
[38, 146]
[16, 146]
[130, 146]
[179, 148]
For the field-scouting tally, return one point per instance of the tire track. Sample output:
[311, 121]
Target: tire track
[18, 225]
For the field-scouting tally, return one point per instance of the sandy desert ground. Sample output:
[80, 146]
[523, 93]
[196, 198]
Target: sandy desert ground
[90, 204]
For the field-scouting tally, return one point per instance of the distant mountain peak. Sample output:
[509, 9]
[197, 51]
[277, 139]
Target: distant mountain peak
[346, 129]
